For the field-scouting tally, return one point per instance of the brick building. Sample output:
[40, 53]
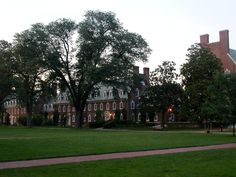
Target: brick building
[222, 50]
[104, 100]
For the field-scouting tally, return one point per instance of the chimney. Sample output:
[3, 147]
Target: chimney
[146, 75]
[136, 70]
[224, 40]
[204, 39]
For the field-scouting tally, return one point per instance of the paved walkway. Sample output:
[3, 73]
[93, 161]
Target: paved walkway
[77, 159]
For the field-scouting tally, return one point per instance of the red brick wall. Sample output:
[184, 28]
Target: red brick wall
[220, 49]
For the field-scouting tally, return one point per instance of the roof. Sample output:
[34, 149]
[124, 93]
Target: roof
[232, 53]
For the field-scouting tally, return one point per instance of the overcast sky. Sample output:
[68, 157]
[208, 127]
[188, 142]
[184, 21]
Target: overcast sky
[169, 26]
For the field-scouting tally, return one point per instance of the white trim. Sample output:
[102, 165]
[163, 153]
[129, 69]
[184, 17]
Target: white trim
[231, 58]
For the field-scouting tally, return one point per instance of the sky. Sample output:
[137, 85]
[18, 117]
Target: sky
[169, 26]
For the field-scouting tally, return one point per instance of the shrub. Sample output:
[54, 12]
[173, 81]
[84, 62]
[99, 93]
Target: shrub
[110, 124]
[48, 122]
[22, 120]
[96, 124]
[7, 119]
[117, 114]
[98, 116]
[37, 120]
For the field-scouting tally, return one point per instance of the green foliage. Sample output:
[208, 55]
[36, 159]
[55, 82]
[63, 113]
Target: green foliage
[110, 124]
[5, 73]
[29, 71]
[47, 122]
[165, 73]
[37, 120]
[55, 117]
[99, 115]
[124, 114]
[22, 120]
[7, 119]
[217, 105]
[231, 85]
[198, 73]
[117, 114]
[96, 124]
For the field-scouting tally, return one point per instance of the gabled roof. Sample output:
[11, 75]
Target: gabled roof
[232, 53]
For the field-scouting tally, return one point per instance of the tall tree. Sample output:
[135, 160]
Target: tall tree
[197, 74]
[164, 91]
[231, 84]
[97, 50]
[29, 74]
[5, 73]
[217, 105]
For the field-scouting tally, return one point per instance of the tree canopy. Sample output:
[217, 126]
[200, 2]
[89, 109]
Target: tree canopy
[97, 50]
[5, 73]
[30, 77]
[197, 74]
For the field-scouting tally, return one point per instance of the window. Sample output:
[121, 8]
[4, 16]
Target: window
[107, 106]
[73, 118]
[64, 108]
[101, 106]
[110, 94]
[89, 118]
[89, 107]
[73, 109]
[137, 92]
[139, 117]
[121, 93]
[132, 104]
[121, 105]
[68, 108]
[59, 108]
[114, 106]
[95, 107]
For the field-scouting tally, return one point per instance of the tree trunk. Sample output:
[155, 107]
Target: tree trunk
[79, 118]
[29, 115]
[29, 120]
[163, 119]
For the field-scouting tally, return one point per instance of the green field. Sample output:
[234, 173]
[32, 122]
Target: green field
[213, 163]
[23, 143]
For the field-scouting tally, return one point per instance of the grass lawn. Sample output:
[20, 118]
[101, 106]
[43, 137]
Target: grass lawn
[213, 163]
[17, 143]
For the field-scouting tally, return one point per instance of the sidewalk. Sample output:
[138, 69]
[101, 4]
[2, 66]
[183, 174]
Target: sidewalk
[77, 159]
